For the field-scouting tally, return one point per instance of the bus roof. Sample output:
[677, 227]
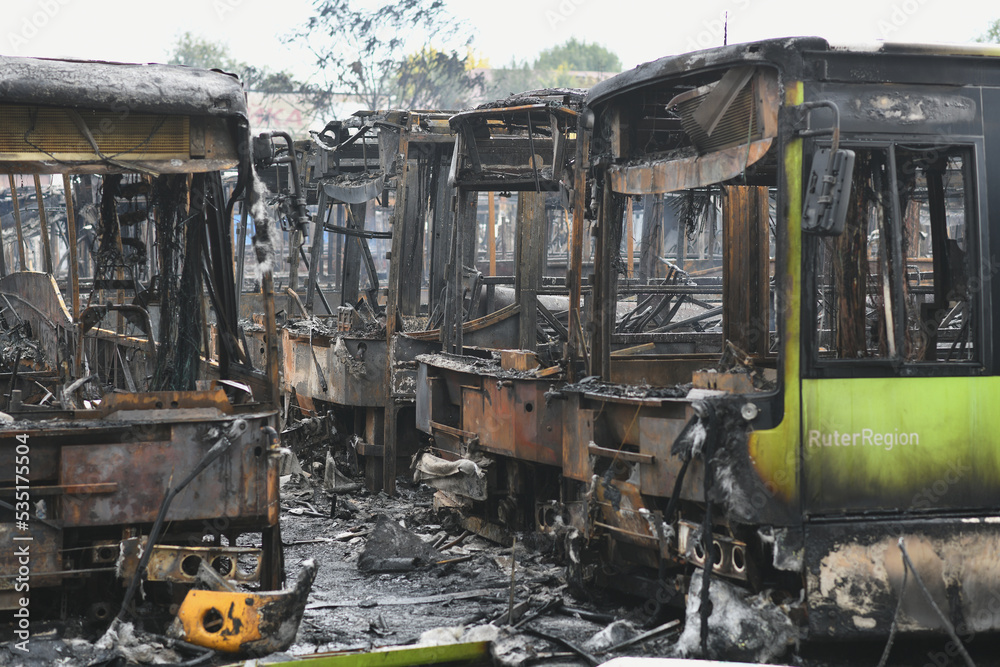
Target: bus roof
[150, 88]
[788, 53]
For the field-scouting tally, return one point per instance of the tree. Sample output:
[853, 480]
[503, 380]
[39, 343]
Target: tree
[381, 55]
[517, 77]
[992, 35]
[556, 67]
[195, 51]
[432, 79]
[579, 57]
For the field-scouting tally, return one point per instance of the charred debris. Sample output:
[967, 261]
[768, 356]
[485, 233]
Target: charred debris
[674, 337]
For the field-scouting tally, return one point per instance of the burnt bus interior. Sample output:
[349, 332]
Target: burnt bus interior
[909, 300]
[696, 318]
[116, 281]
[704, 280]
[382, 201]
[356, 368]
[484, 397]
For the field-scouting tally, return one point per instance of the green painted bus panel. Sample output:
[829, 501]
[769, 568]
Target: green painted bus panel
[901, 444]
[472, 653]
[773, 451]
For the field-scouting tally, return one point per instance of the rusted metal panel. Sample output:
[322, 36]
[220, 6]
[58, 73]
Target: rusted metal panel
[537, 427]
[352, 368]
[178, 404]
[685, 173]
[511, 418]
[44, 458]
[39, 547]
[232, 486]
[656, 437]
[490, 414]
[473, 417]
[578, 430]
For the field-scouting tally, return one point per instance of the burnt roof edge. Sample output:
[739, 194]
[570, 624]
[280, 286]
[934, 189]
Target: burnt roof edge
[785, 52]
[120, 87]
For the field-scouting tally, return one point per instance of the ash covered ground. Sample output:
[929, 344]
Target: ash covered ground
[382, 583]
[464, 594]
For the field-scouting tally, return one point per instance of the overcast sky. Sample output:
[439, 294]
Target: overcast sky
[636, 30]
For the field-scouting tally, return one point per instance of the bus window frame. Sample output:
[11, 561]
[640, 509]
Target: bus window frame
[971, 149]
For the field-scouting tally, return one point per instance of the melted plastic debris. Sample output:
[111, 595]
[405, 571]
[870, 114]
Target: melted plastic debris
[742, 627]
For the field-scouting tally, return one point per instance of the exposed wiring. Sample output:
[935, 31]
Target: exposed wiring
[908, 566]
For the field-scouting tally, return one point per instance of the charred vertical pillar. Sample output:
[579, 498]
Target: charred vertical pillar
[43, 226]
[491, 233]
[337, 250]
[353, 253]
[441, 228]
[71, 237]
[392, 308]
[412, 247]
[651, 244]
[316, 250]
[746, 277]
[470, 229]
[529, 260]
[574, 267]
[605, 280]
[850, 266]
[454, 306]
[17, 224]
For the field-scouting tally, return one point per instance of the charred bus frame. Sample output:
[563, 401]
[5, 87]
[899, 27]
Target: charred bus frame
[144, 456]
[842, 422]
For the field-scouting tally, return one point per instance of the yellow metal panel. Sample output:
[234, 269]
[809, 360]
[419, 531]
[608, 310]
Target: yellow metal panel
[220, 621]
[775, 451]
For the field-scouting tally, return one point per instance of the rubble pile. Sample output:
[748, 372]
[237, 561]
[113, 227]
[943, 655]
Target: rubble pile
[395, 572]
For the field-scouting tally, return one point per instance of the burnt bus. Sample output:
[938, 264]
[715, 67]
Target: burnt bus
[128, 453]
[805, 398]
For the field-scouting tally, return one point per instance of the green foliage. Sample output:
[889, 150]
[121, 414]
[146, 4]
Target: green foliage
[195, 51]
[578, 56]
[556, 67]
[992, 35]
[513, 79]
[403, 53]
[432, 79]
